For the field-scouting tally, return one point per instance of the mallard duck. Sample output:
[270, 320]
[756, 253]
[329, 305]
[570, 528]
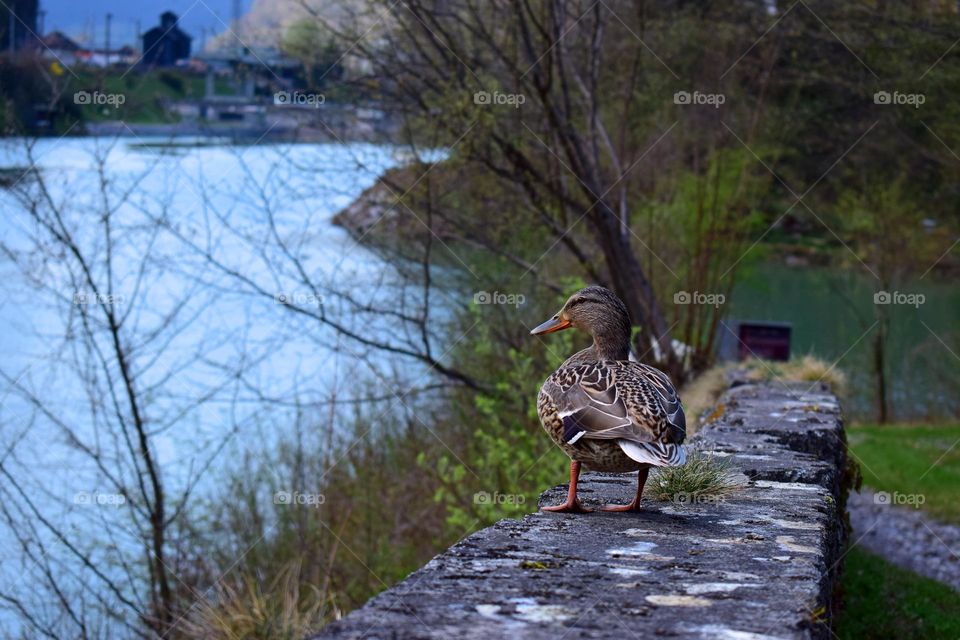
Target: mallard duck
[604, 410]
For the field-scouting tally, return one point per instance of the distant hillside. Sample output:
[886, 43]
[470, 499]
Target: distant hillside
[268, 20]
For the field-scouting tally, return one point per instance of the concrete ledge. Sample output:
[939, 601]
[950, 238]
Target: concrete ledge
[761, 564]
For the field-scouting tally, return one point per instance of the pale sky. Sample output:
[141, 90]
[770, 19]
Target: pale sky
[85, 21]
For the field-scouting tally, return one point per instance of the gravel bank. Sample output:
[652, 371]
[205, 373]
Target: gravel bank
[905, 536]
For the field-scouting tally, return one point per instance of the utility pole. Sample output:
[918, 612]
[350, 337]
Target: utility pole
[10, 32]
[107, 52]
[41, 22]
[237, 11]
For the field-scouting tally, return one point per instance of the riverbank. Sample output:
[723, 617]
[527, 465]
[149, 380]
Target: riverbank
[255, 121]
[831, 312]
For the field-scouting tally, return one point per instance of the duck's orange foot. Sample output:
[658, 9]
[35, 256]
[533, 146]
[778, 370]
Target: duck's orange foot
[633, 506]
[568, 507]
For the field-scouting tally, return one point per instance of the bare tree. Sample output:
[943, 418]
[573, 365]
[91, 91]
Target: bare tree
[586, 139]
[105, 398]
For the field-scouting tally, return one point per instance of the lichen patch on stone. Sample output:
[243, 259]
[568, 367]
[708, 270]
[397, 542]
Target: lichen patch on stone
[696, 589]
[636, 549]
[724, 633]
[488, 610]
[678, 601]
[793, 524]
[787, 542]
[530, 610]
[771, 484]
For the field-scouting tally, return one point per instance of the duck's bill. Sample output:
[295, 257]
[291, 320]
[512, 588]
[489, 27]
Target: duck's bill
[551, 325]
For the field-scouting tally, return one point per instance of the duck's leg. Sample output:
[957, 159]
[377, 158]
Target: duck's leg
[572, 505]
[635, 505]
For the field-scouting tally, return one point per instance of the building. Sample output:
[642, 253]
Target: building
[125, 56]
[19, 24]
[58, 46]
[165, 44]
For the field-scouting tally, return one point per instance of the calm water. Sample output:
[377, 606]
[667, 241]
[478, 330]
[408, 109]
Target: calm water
[218, 197]
[831, 313]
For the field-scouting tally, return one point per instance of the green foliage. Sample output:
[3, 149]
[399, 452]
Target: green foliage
[885, 225]
[30, 92]
[702, 222]
[306, 41]
[172, 80]
[721, 199]
[883, 601]
[303, 40]
[144, 92]
[509, 459]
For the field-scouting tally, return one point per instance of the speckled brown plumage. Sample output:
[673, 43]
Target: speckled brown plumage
[603, 410]
[610, 400]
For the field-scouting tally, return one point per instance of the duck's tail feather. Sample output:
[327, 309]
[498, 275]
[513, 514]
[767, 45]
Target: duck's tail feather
[655, 453]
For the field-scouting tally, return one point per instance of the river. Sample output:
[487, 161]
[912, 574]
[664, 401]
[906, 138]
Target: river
[246, 205]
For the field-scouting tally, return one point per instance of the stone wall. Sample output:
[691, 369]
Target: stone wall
[762, 563]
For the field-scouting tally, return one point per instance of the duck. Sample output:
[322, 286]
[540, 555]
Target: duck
[605, 411]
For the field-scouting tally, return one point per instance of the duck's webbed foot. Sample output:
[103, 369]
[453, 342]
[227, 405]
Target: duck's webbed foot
[568, 507]
[633, 506]
[572, 505]
[635, 503]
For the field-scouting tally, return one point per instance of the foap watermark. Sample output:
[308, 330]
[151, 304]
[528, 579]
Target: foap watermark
[99, 99]
[298, 498]
[299, 299]
[485, 497]
[298, 99]
[496, 98]
[697, 297]
[910, 499]
[485, 297]
[909, 99]
[696, 498]
[697, 97]
[95, 498]
[899, 297]
[83, 298]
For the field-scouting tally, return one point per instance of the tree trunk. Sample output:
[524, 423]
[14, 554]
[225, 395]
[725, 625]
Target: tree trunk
[880, 370]
[630, 282]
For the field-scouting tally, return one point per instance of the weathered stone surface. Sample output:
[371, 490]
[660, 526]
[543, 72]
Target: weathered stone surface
[760, 564]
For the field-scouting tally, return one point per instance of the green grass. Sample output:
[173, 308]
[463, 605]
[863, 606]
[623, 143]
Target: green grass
[883, 601]
[912, 459]
[703, 477]
[144, 92]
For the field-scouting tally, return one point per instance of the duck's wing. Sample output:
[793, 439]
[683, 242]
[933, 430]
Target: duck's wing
[669, 400]
[617, 401]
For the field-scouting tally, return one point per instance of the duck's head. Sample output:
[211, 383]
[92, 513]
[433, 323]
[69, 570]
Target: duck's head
[599, 312]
